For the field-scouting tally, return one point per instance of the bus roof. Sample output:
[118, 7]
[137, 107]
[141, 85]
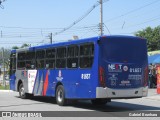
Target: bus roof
[70, 42]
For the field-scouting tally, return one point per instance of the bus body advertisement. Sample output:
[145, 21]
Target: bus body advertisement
[99, 69]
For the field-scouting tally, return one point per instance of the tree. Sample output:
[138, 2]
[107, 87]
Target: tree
[153, 37]
[6, 57]
[15, 47]
[25, 45]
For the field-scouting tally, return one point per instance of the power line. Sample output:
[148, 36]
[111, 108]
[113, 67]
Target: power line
[134, 10]
[141, 23]
[29, 28]
[62, 30]
[147, 21]
[107, 29]
[41, 33]
[81, 18]
[43, 29]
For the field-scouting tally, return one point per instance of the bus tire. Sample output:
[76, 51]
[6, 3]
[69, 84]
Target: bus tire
[99, 101]
[60, 96]
[22, 93]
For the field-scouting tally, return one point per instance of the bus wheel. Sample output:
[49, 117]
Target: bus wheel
[22, 93]
[60, 96]
[99, 101]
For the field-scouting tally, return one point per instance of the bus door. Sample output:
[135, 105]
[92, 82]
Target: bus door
[49, 82]
[46, 74]
[12, 71]
[40, 67]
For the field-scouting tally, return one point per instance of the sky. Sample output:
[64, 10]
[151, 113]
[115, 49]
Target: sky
[32, 21]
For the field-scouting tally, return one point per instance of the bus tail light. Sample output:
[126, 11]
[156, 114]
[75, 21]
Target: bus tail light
[145, 83]
[102, 77]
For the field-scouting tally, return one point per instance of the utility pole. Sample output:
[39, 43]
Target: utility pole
[50, 37]
[1, 34]
[101, 17]
[4, 83]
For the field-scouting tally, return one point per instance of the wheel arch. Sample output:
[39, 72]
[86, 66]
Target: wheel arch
[60, 94]
[59, 83]
[19, 82]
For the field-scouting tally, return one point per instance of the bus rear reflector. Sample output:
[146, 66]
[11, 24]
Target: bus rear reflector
[102, 77]
[145, 77]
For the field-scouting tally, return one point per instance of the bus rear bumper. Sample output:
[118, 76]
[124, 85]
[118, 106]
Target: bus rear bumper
[119, 93]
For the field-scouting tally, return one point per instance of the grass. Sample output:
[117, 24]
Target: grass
[3, 87]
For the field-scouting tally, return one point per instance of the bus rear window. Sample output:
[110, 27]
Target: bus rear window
[124, 50]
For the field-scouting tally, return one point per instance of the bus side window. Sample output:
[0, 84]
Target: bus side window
[72, 56]
[12, 63]
[86, 55]
[30, 60]
[40, 59]
[50, 58]
[21, 64]
[61, 57]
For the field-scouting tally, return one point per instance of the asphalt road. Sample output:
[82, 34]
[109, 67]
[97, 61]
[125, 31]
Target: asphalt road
[10, 101]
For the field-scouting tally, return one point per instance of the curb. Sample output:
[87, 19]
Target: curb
[155, 97]
[6, 91]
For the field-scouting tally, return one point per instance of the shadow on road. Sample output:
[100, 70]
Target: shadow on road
[113, 106]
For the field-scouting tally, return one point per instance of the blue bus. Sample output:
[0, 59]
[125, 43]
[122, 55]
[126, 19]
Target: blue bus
[97, 69]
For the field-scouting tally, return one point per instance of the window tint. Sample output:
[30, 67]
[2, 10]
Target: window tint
[21, 56]
[50, 58]
[72, 51]
[61, 57]
[86, 62]
[30, 64]
[40, 54]
[50, 53]
[87, 50]
[30, 55]
[21, 60]
[30, 60]
[86, 55]
[21, 65]
[40, 64]
[40, 59]
[12, 63]
[72, 56]
[50, 63]
[61, 52]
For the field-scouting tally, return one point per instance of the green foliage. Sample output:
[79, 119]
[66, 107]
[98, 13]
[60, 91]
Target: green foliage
[6, 56]
[23, 46]
[7, 53]
[4, 88]
[153, 37]
[15, 47]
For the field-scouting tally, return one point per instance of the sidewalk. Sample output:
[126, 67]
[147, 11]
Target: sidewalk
[152, 94]
[6, 91]
[156, 97]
